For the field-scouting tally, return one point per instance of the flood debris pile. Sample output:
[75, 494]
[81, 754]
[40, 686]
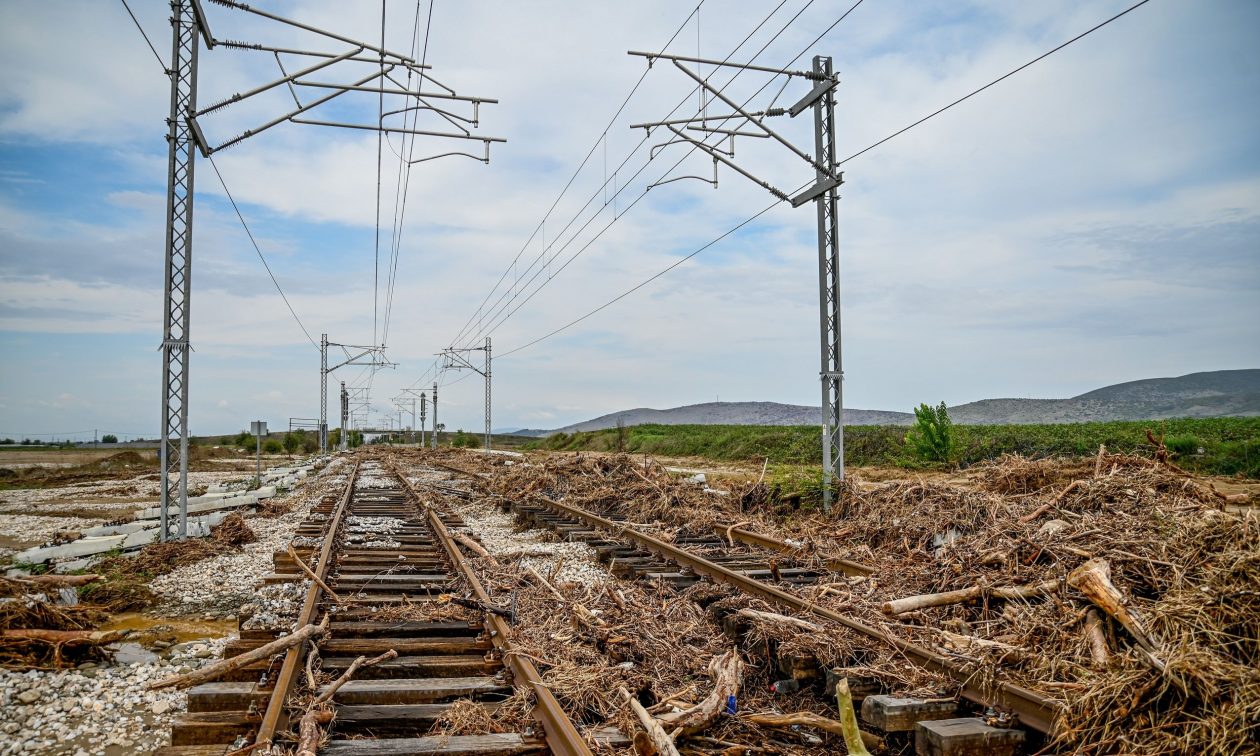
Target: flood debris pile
[1120, 587]
[666, 652]
[38, 630]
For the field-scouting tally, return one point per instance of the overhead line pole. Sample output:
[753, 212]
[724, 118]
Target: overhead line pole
[455, 360]
[188, 23]
[827, 180]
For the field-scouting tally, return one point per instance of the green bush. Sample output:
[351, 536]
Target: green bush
[932, 436]
[1183, 445]
[272, 446]
[463, 440]
[109, 438]
[1231, 445]
[291, 442]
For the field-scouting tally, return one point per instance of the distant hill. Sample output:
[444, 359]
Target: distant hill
[1220, 393]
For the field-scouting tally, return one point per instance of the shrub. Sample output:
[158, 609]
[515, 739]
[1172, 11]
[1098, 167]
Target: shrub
[109, 438]
[291, 442]
[272, 446]
[932, 436]
[1183, 445]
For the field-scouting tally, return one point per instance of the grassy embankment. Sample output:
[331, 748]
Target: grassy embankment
[1229, 446]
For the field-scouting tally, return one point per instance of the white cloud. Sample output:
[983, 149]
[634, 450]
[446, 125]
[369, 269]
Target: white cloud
[1023, 243]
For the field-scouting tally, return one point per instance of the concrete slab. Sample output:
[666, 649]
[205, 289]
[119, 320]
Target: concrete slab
[893, 714]
[965, 737]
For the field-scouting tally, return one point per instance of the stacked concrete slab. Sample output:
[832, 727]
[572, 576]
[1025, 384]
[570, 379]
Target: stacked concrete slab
[204, 512]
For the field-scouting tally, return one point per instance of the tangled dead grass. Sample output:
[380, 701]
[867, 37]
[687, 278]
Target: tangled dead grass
[1177, 557]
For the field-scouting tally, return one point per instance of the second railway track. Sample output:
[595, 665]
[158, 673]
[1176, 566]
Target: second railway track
[748, 568]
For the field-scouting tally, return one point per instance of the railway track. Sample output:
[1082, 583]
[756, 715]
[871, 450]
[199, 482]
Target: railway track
[379, 549]
[633, 553]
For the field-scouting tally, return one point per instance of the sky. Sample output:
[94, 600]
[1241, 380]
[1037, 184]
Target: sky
[1091, 220]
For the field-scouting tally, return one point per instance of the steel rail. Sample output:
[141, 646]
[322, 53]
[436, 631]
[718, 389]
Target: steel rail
[562, 736]
[1035, 711]
[293, 657]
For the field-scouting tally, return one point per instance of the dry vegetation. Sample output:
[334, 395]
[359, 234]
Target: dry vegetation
[1185, 563]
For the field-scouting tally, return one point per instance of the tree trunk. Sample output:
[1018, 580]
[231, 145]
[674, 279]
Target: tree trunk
[328, 591]
[727, 673]
[848, 719]
[810, 719]
[308, 735]
[1097, 638]
[911, 603]
[657, 737]
[476, 548]
[1094, 580]
[91, 637]
[355, 666]
[219, 669]
[780, 619]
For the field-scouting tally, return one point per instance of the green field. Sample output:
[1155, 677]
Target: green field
[1230, 446]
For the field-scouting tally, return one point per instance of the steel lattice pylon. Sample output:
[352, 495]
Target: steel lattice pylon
[831, 370]
[179, 221]
[188, 28]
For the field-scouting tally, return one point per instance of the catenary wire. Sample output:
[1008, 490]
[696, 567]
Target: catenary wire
[261, 256]
[576, 172]
[396, 242]
[495, 324]
[494, 317]
[140, 29]
[766, 209]
[514, 291]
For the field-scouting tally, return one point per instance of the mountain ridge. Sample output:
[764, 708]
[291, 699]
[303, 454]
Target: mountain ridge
[1217, 393]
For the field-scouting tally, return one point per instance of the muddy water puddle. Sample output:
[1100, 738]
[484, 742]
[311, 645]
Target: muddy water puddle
[177, 630]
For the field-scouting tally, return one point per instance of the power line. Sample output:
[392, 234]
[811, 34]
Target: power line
[515, 294]
[495, 324]
[401, 212]
[380, 136]
[640, 285]
[603, 136]
[1011, 73]
[140, 29]
[766, 209]
[259, 251]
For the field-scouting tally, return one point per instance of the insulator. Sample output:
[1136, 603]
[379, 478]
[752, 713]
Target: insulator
[239, 44]
[222, 104]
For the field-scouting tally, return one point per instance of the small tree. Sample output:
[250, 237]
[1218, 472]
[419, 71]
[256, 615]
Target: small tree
[272, 446]
[932, 436]
[291, 442]
[109, 438]
[462, 439]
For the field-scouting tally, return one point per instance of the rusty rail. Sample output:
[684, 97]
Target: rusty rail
[562, 736]
[293, 657]
[1035, 711]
